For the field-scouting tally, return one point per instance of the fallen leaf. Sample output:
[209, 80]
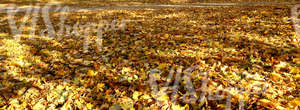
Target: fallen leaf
[61, 72]
[91, 73]
[135, 95]
[276, 76]
[297, 77]
[166, 36]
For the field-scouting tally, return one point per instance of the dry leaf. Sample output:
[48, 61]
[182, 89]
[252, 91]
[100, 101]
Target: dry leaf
[91, 73]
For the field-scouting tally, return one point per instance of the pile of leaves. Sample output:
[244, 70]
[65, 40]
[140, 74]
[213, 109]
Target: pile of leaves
[249, 47]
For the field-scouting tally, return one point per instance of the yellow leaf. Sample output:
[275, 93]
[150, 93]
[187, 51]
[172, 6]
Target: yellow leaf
[78, 103]
[60, 87]
[176, 107]
[133, 58]
[91, 73]
[276, 76]
[125, 70]
[163, 98]
[100, 86]
[19, 63]
[146, 97]
[244, 17]
[78, 61]
[294, 70]
[285, 18]
[21, 56]
[3, 108]
[89, 106]
[3, 34]
[281, 65]
[162, 66]
[265, 102]
[280, 108]
[296, 101]
[39, 106]
[147, 52]
[186, 107]
[166, 36]
[136, 95]
[67, 106]
[296, 60]
[297, 77]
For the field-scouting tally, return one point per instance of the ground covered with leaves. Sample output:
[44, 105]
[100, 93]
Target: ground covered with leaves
[249, 47]
[88, 3]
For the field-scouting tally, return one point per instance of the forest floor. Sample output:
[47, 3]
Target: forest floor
[245, 56]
